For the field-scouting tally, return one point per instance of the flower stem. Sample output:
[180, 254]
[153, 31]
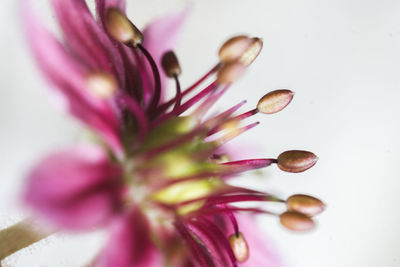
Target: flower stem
[19, 236]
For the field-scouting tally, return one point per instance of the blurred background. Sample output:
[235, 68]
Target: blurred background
[341, 57]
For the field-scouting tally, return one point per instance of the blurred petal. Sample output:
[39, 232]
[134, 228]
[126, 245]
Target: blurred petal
[161, 35]
[130, 243]
[75, 188]
[68, 75]
[262, 252]
[87, 39]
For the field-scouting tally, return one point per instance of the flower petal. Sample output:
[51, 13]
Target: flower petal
[86, 39]
[68, 75]
[130, 243]
[161, 35]
[76, 188]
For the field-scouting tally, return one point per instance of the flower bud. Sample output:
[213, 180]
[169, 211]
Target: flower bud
[275, 101]
[170, 64]
[308, 205]
[234, 48]
[230, 73]
[122, 29]
[296, 221]
[101, 84]
[296, 160]
[251, 52]
[239, 247]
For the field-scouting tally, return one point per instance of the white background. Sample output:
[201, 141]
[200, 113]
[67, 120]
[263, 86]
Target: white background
[341, 57]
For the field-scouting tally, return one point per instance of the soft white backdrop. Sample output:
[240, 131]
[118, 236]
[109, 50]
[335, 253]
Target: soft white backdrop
[341, 57]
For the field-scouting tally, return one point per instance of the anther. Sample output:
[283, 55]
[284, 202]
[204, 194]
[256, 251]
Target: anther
[296, 160]
[251, 52]
[230, 73]
[234, 48]
[101, 84]
[305, 204]
[122, 29]
[275, 101]
[239, 246]
[296, 221]
[170, 64]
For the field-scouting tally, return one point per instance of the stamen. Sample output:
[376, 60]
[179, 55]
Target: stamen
[122, 29]
[252, 52]
[239, 247]
[296, 160]
[156, 74]
[170, 64]
[178, 93]
[296, 221]
[188, 104]
[234, 48]
[172, 69]
[231, 135]
[305, 204]
[233, 220]
[102, 84]
[230, 73]
[249, 164]
[166, 105]
[275, 101]
[138, 113]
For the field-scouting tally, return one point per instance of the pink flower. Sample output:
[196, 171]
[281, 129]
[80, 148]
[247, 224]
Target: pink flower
[157, 179]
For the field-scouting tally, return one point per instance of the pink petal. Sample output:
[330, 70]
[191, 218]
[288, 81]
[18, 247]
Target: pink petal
[76, 188]
[161, 35]
[130, 243]
[86, 39]
[68, 75]
[262, 251]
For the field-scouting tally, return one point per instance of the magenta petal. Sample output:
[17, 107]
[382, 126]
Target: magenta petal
[76, 188]
[161, 35]
[68, 76]
[130, 243]
[86, 39]
[262, 252]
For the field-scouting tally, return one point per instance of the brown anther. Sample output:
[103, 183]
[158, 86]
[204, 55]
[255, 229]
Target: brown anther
[122, 29]
[239, 247]
[101, 84]
[275, 101]
[305, 204]
[252, 51]
[234, 48]
[296, 160]
[296, 221]
[170, 64]
[230, 73]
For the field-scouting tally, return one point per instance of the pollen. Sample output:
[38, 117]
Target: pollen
[275, 101]
[239, 247]
[170, 64]
[251, 52]
[308, 205]
[122, 29]
[102, 85]
[234, 48]
[296, 221]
